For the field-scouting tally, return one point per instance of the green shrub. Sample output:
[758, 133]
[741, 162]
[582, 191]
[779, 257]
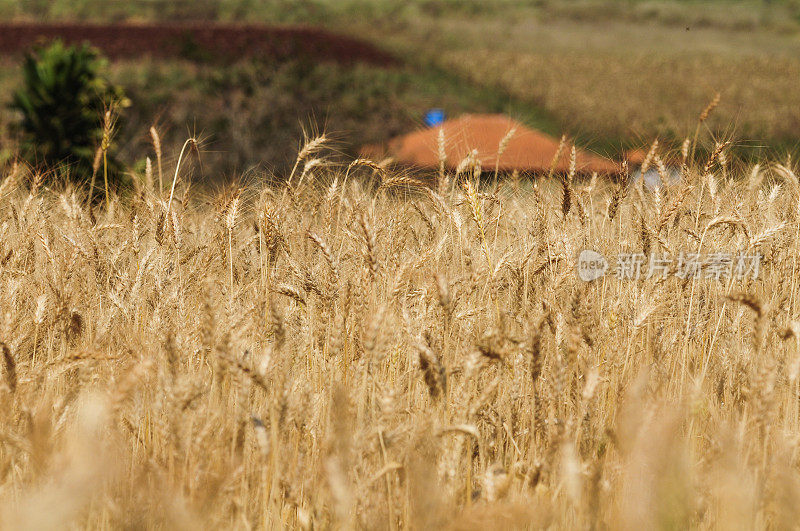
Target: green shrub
[63, 100]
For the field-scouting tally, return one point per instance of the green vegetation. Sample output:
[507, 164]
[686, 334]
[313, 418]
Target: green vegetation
[734, 14]
[250, 114]
[62, 98]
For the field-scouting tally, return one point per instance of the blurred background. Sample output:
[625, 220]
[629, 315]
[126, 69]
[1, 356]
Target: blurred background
[612, 74]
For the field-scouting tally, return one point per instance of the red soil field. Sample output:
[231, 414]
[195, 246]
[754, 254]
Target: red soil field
[198, 41]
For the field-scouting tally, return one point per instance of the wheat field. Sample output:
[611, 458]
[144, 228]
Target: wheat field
[356, 349]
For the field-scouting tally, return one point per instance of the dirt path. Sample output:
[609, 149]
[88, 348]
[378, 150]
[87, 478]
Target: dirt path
[198, 41]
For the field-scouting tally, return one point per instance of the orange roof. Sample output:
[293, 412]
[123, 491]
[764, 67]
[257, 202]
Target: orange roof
[527, 150]
[636, 156]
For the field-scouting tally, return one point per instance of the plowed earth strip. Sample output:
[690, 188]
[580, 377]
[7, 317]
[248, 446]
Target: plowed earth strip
[198, 41]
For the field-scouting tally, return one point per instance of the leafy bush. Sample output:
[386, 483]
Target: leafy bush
[63, 100]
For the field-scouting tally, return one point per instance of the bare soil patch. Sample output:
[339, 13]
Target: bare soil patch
[198, 41]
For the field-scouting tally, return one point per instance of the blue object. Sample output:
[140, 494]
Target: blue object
[434, 117]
